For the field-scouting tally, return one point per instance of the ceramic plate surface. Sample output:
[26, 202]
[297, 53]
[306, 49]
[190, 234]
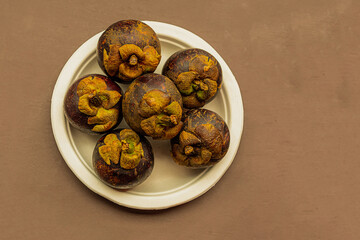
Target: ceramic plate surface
[169, 185]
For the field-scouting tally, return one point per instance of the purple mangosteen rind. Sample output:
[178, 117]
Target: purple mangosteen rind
[127, 38]
[79, 120]
[117, 177]
[136, 95]
[215, 127]
[199, 66]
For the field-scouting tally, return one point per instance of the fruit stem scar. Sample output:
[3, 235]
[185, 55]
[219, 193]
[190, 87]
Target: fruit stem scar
[96, 101]
[173, 119]
[124, 146]
[133, 60]
[188, 150]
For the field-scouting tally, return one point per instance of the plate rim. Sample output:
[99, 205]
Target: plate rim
[146, 202]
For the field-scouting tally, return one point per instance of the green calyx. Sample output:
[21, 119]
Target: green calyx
[128, 147]
[191, 84]
[131, 149]
[163, 120]
[184, 82]
[186, 91]
[201, 95]
[153, 102]
[131, 157]
[128, 150]
[165, 124]
[195, 86]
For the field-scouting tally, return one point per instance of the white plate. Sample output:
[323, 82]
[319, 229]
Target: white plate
[169, 185]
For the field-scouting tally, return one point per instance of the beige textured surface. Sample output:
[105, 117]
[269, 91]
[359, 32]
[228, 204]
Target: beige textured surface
[296, 174]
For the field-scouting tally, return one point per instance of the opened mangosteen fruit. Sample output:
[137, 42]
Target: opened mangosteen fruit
[152, 106]
[203, 141]
[128, 49]
[197, 75]
[92, 104]
[122, 159]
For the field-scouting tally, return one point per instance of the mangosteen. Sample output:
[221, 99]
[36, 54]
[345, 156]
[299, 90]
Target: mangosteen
[203, 141]
[197, 75]
[122, 159]
[92, 104]
[152, 106]
[128, 49]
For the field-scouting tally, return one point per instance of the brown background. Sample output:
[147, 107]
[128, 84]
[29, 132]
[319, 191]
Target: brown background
[296, 174]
